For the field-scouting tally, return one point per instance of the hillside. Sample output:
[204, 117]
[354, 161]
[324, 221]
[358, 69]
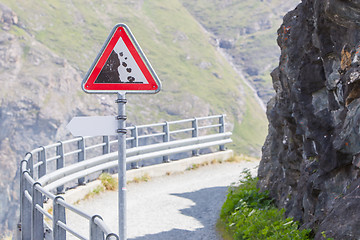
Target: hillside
[180, 52]
[47, 47]
[245, 31]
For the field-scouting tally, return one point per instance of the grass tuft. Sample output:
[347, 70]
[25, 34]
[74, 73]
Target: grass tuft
[240, 158]
[195, 166]
[250, 214]
[96, 191]
[108, 183]
[143, 178]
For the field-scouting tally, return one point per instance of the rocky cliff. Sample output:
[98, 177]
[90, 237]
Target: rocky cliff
[311, 157]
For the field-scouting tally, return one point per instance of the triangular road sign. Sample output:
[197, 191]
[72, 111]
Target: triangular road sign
[121, 66]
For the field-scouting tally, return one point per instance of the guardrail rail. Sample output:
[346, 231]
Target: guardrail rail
[46, 170]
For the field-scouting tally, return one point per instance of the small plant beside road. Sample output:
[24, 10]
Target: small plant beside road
[250, 214]
[143, 178]
[107, 183]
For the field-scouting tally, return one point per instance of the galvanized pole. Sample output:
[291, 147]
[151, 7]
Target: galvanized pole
[122, 164]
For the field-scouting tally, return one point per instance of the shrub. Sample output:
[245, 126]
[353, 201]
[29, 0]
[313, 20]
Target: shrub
[250, 214]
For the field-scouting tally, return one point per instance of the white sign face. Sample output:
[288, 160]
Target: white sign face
[128, 70]
[93, 126]
[121, 66]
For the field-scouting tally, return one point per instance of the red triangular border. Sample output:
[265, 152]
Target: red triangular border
[121, 31]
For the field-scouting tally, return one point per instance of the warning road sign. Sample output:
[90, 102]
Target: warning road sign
[121, 66]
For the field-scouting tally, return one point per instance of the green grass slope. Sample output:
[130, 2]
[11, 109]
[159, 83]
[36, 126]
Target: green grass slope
[250, 26]
[197, 80]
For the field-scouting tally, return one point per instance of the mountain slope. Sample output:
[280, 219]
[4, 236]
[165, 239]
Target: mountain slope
[179, 51]
[246, 30]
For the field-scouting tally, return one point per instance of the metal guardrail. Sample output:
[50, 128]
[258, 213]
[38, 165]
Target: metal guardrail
[45, 170]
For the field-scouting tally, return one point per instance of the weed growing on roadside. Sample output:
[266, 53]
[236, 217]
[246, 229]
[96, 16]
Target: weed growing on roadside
[50, 211]
[143, 178]
[250, 214]
[193, 167]
[240, 158]
[97, 190]
[107, 183]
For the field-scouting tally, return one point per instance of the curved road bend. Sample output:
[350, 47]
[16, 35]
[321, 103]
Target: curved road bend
[175, 207]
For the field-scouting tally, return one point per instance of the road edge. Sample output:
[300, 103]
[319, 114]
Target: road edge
[74, 195]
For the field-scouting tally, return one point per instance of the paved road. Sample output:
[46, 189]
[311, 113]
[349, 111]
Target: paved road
[175, 207]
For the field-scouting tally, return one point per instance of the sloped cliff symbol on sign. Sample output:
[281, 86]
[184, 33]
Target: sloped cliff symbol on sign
[121, 66]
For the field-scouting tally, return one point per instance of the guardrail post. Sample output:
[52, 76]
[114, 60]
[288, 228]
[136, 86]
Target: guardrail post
[134, 144]
[166, 138]
[106, 147]
[81, 157]
[95, 231]
[60, 163]
[222, 129]
[42, 158]
[25, 206]
[37, 217]
[31, 165]
[58, 215]
[195, 133]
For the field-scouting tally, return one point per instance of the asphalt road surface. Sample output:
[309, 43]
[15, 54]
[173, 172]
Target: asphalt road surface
[175, 207]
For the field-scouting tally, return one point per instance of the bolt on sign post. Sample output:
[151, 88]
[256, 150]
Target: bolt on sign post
[121, 67]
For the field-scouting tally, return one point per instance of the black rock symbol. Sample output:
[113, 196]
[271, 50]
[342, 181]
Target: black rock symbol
[131, 79]
[110, 73]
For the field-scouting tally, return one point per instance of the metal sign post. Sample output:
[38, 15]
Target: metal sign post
[121, 101]
[121, 67]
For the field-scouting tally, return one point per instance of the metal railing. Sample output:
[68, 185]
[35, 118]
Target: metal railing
[45, 170]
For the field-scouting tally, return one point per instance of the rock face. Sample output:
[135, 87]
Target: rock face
[311, 157]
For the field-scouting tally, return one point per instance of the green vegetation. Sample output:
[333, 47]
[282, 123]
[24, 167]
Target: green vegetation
[195, 166]
[323, 234]
[251, 26]
[243, 134]
[143, 178]
[250, 214]
[108, 183]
